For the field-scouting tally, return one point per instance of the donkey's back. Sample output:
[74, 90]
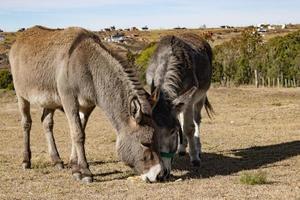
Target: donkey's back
[38, 57]
[179, 63]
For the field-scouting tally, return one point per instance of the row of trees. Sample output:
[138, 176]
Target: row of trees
[248, 59]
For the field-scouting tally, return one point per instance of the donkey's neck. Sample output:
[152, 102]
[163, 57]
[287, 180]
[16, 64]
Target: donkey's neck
[115, 85]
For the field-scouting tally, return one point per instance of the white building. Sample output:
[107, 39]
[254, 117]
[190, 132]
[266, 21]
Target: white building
[118, 38]
[2, 38]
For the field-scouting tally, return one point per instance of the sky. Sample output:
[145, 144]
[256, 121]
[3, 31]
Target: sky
[156, 14]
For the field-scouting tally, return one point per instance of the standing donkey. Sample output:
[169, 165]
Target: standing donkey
[179, 74]
[70, 69]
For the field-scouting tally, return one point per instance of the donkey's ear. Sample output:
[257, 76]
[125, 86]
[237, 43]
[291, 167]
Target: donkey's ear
[154, 97]
[180, 103]
[135, 110]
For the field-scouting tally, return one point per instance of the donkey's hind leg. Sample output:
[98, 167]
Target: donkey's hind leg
[182, 140]
[47, 120]
[189, 131]
[24, 107]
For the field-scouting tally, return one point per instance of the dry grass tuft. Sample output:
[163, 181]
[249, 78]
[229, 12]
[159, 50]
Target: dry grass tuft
[257, 178]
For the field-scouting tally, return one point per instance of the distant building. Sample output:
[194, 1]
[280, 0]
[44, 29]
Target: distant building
[1, 30]
[179, 28]
[118, 38]
[113, 28]
[270, 27]
[226, 27]
[261, 30]
[21, 30]
[145, 28]
[134, 28]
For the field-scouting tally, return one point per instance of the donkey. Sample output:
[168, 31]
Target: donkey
[179, 73]
[71, 70]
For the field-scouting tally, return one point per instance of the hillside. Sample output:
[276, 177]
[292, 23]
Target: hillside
[137, 40]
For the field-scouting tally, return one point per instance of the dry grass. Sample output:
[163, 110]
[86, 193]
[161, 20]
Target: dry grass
[254, 130]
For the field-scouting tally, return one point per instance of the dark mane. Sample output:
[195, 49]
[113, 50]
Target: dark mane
[172, 77]
[131, 75]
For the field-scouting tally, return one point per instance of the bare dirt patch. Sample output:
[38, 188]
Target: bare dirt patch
[254, 130]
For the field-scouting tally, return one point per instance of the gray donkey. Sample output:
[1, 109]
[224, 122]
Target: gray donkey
[179, 74]
[71, 70]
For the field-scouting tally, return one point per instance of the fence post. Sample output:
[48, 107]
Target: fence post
[285, 83]
[256, 79]
[294, 82]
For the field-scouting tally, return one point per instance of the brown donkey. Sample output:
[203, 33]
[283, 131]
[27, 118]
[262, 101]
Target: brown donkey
[180, 74]
[71, 70]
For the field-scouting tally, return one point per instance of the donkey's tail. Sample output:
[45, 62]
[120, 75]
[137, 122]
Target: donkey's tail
[209, 109]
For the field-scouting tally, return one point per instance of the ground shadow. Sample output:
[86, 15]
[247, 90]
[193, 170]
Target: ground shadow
[244, 159]
[113, 175]
[99, 162]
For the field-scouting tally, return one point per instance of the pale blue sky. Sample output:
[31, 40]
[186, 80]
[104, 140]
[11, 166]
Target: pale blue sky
[97, 14]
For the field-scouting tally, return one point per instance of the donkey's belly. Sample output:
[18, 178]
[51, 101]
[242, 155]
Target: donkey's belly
[44, 99]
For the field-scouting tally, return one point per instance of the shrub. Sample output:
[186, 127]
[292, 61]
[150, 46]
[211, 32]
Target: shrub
[237, 59]
[6, 81]
[257, 178]
[143, 59]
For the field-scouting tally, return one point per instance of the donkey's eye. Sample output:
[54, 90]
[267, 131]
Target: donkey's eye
[148, 156]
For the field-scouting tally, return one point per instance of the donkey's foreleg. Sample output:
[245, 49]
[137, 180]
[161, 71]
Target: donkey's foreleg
[71, 108]
[48, 123]
[24, 107]
[84, 115]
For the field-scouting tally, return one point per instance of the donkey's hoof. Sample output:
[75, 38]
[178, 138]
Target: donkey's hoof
[87, 179]
[26, 165]
[196, 163]
[59, 165]
[182, 153]
[77, 176]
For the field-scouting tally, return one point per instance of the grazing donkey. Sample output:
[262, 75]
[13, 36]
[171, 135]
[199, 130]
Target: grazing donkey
[71, 70]
[180, 75]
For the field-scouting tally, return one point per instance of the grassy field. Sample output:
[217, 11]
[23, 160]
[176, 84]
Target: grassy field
[251, 151]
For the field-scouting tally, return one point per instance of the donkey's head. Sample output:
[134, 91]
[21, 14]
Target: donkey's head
[136, 143]
[165, 114]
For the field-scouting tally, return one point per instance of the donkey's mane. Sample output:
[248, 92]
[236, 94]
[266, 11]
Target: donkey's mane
[171, 80]
[131, 77]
